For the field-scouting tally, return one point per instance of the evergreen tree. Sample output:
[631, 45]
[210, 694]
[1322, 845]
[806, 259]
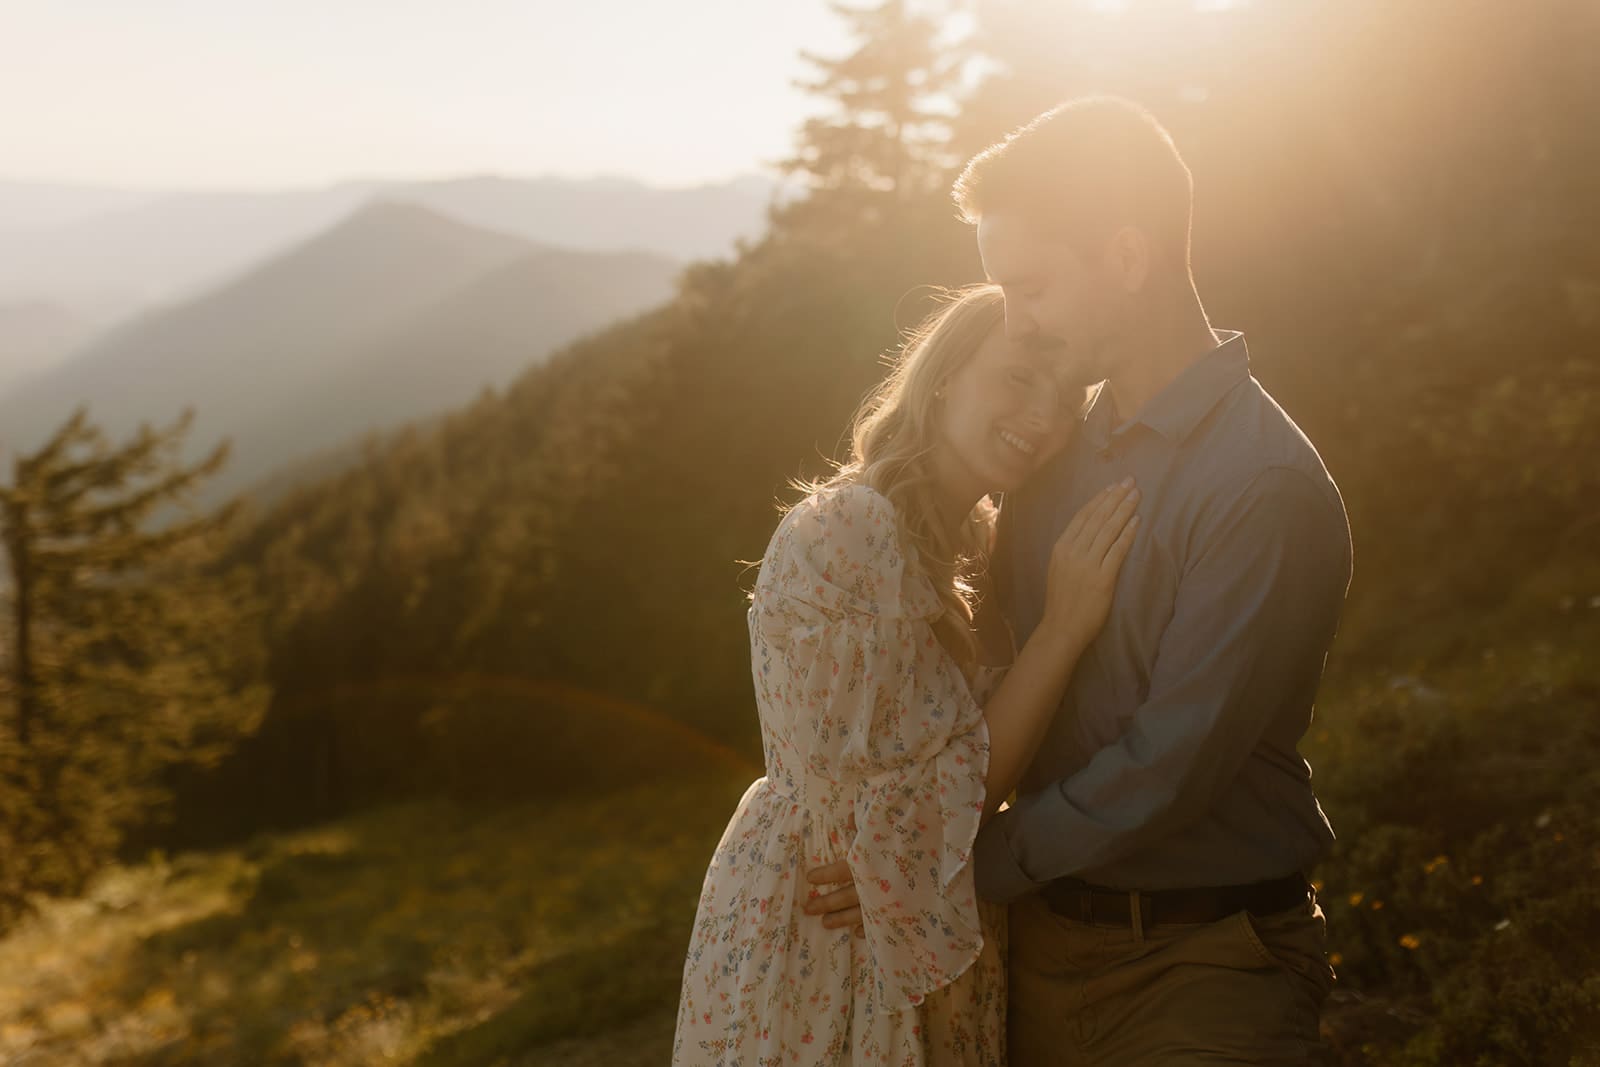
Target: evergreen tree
[127, 654]
[883, 145]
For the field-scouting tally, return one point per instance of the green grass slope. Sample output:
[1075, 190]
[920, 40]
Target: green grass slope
[420, 934]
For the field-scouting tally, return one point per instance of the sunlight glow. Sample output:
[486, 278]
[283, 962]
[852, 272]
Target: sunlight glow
[174, 93]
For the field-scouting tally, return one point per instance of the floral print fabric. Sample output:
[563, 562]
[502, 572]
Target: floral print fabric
[875, 750]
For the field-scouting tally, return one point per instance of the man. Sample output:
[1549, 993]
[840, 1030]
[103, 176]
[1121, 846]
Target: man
[1154, 858]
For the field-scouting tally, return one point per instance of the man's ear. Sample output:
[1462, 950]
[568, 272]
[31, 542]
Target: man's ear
[1128, 258]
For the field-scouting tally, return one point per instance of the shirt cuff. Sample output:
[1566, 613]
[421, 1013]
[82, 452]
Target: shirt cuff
[996, 873]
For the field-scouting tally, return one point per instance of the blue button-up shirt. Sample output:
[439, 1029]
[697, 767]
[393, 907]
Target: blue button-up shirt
[1173, 761]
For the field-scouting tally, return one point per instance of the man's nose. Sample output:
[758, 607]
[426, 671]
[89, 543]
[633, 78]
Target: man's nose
[1019, 325]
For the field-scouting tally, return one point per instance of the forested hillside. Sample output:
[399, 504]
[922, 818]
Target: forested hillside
[541, 597]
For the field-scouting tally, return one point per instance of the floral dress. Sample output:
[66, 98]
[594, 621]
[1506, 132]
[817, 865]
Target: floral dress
[876, 750]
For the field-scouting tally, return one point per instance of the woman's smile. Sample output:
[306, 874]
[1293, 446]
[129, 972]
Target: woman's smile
[1018, 442]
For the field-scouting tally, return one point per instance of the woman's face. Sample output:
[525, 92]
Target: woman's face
[1004, 414]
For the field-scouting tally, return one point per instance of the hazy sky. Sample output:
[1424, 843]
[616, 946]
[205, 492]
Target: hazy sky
[264, 93]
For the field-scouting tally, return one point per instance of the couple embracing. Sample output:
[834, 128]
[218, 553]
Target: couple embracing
[1032, 791]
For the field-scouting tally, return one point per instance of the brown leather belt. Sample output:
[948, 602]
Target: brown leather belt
[1087, 903]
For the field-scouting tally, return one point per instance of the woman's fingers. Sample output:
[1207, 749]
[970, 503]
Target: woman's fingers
[1119, 548]
[1095, 527]
[837, 871]
[840, 900]
[1115, 523]
[1070, 534]
[1100, 512]
[1086, 517]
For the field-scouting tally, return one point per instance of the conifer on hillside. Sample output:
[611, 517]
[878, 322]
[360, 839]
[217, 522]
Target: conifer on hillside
[126, 653]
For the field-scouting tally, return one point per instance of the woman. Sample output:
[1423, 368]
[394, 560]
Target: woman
[888, 729]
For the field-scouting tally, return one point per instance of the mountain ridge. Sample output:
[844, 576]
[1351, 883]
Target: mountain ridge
[376, 320]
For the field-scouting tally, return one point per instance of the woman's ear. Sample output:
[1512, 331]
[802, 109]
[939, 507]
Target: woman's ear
[1128, 258]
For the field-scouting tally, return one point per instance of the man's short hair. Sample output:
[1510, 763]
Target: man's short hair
[1083, 170]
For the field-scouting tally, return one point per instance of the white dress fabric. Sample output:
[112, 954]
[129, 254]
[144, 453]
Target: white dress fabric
[875, 752]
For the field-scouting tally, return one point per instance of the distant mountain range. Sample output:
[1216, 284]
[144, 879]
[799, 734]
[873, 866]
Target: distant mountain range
[160, 248]
[34, 335]
[32, 205]
[92, 258]
[396, 312]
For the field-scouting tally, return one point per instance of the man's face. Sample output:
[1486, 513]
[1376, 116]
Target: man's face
[1057, 299]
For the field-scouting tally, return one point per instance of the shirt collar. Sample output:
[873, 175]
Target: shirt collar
[1177, 409]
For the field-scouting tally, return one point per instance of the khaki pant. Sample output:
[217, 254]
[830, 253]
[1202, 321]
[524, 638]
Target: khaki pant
[1245, 989]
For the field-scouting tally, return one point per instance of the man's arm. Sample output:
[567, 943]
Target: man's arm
[1255, 612]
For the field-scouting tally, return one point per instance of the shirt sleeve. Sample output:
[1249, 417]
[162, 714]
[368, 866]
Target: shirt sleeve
[880, 707]
[1255, 613]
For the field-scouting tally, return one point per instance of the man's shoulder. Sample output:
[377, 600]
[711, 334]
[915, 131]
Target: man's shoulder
[1253, 440]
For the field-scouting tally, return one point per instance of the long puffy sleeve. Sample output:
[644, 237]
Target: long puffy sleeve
[879, 713]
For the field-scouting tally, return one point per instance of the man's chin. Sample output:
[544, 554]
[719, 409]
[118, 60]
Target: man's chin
[1085, 377]
[1076, 368]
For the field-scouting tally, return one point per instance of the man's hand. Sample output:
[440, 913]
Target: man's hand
[840, 908]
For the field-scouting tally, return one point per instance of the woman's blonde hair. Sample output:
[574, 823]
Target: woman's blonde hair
[892, 440]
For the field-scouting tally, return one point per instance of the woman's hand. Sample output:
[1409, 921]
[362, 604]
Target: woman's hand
[1085, 562]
